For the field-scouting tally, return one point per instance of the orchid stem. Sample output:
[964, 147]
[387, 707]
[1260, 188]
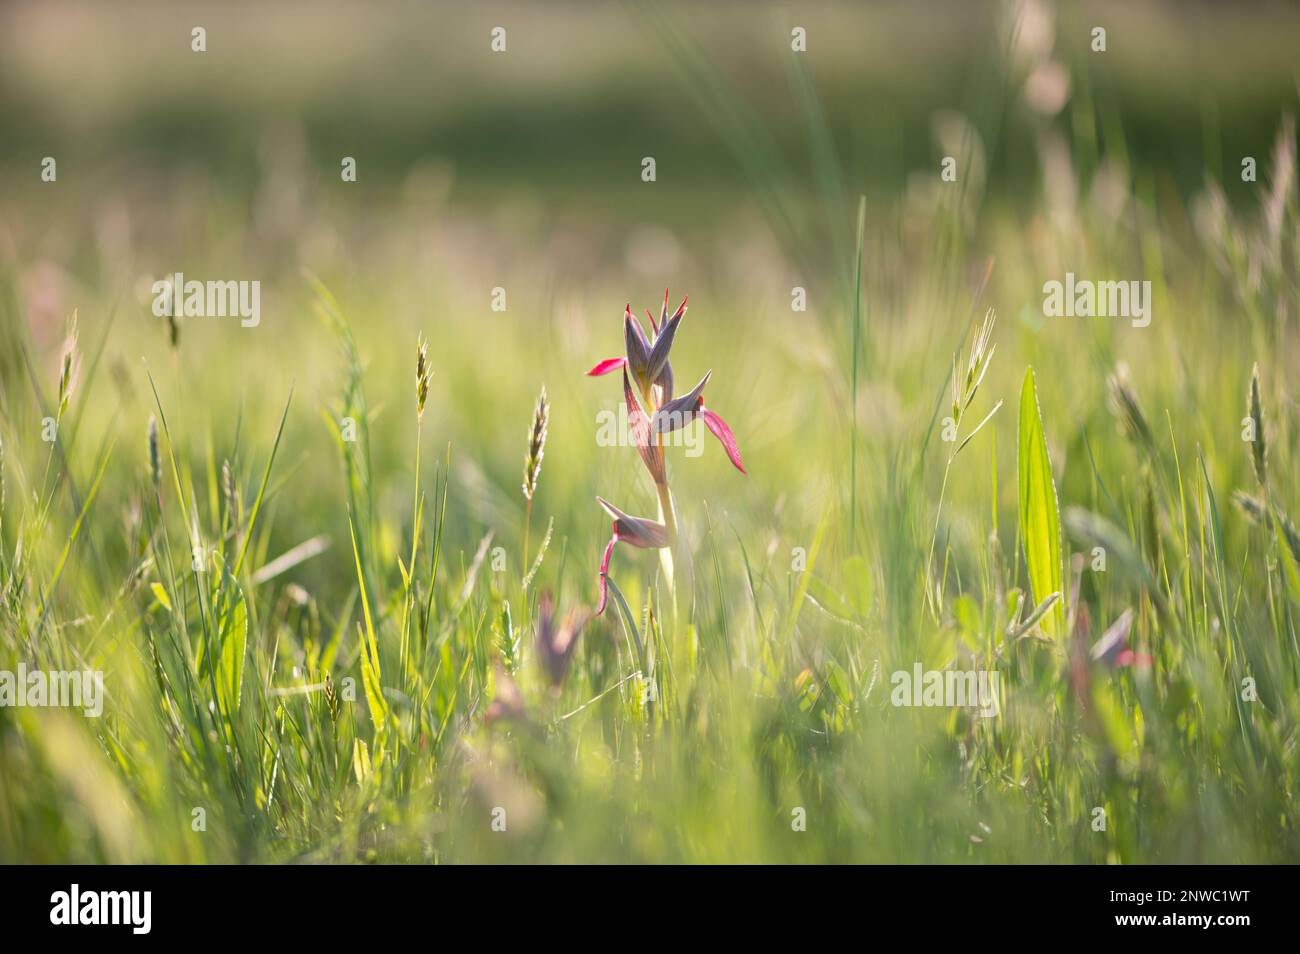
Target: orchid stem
[666, 556]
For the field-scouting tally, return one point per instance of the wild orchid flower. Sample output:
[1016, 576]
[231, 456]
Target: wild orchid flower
[1113, 649]
[646, 534]
[556, 643]
[652, 412]
[508, 703]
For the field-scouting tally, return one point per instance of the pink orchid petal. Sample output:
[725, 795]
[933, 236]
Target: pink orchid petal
[636, 324]
[636, 531]
[606, 366]
[651, 454]
[636, 417]
[665, 383]
[556, 640]
[604, 571]
[680, 411]
[1114, 641]
[663, 343]
[1128, 657]
[636, 346]
[723, 433]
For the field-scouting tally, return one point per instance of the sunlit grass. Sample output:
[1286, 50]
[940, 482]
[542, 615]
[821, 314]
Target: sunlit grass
[301, 555]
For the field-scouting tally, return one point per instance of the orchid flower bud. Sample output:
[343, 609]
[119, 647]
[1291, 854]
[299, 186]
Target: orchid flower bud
[555, 644]
[646, 534]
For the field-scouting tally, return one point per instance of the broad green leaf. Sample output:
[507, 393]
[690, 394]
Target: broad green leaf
[1040, 519]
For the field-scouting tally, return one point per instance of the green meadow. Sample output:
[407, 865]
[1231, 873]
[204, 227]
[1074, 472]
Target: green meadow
[339, 569]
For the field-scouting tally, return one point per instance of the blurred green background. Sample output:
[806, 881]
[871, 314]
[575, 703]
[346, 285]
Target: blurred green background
[522, 170]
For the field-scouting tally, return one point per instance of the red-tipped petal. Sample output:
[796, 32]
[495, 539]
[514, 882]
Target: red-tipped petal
[680, 411]
[636, 324]
[604, 570]
[663, 344]
[606, 366]
[723, 433]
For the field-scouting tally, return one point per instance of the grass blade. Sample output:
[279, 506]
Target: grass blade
[1040, 519]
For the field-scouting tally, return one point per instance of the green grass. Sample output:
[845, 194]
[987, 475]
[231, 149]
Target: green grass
[318, 680]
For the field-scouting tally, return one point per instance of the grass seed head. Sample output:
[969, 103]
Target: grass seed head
[331, 698]
[1258, 448]
[536, 445]
[422, 375]
[68, 368]
[1259, 513]
[155, 456]
[229, 489]
[965, 387]
[1124, 402]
